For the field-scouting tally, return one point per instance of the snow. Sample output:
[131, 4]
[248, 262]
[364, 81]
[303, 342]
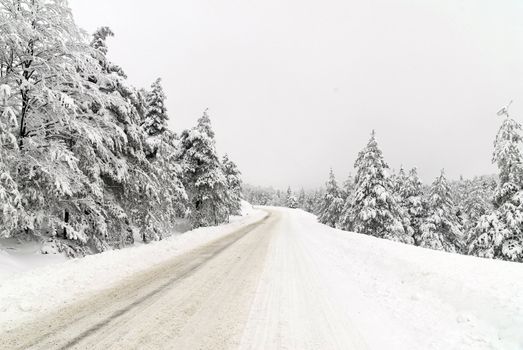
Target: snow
[18, 257]
[320, 288]
[5, 92]
[331, 289]
[33, 284]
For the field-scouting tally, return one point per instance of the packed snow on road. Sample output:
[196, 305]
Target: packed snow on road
[317, 288]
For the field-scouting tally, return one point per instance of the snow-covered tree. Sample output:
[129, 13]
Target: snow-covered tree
[347, 188]
[172, 198]
[441, 230]
[203, 177]
[156, 116]
[332, 203]
[372, 209]
[99, 44]
[133, 197]
[302, 198]
[290, 199]
[53, 73]
[500, 233]
[310, 202]
[410, 198]
[10, 200]
[476, 202]
[234, 185]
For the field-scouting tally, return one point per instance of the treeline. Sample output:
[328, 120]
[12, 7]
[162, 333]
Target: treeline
[268, 196]
[87, 161]
[482, 216]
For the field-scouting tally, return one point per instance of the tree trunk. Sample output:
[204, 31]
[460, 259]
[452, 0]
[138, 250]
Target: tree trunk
[66, 220]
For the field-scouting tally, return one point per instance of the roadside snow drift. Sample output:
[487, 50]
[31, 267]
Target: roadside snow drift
[28, 291]
[329, 289]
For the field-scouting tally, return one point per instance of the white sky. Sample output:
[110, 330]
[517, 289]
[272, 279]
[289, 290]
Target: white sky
[296, 86]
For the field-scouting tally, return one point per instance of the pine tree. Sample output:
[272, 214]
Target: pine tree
[234, 185]
[399, 183]
[332, 203]
[441, 229]
[50, 68]
[477, 201]
[415, 203]
[347, 188]
[500, 233]
[290, 200]
[99, 44]
[372, 209]
[310, 202]
[156, 116]
[408, 189]
[203, 177]
[317, 199]
[302, 198]
[134, 195]
[171, 199]
[75, 168]
[10, 199]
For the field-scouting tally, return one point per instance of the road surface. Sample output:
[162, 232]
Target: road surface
[200, 300]
[288, 282]
[248, 290]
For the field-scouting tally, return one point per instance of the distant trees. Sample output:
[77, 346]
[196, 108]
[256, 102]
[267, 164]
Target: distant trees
[480, 216]
[86, 160]
[307, 200]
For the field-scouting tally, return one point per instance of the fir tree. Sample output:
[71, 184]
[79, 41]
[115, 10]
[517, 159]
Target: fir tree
[310, 202]
[73, 163]
[135, 196]
[99, 44]
[500, 233]
[332, 203]
[60, 134]
[171, 199]
[302, 198]
[203, 176]
[290, 200]
[156, 116]
[372, 209]
[347, 188]
[441, 229]
[477, 202]
[11, 206]
[234, 185]
[410, 198]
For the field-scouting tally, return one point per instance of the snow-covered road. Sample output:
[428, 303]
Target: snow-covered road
[288, 282]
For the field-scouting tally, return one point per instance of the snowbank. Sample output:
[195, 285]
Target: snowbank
[19, 257]
[31, 292]
[394, 296]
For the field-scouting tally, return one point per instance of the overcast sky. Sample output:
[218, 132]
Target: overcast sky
[296, 86]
